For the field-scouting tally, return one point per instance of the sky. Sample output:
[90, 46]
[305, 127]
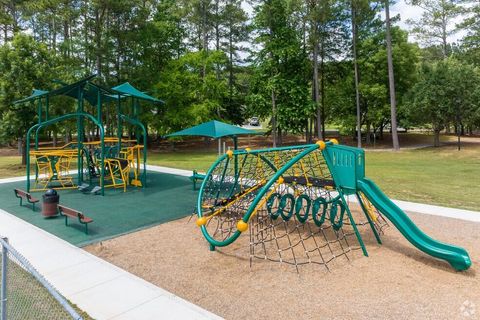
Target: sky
[400, 8]
[411, 12]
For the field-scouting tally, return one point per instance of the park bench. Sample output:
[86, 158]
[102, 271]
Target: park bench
[27, 196]
[71, 213]
[196, 176]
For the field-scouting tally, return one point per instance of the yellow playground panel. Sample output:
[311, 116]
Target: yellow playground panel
[54, 166]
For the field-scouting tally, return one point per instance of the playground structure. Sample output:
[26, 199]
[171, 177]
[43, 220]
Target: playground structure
[107, 161]
[294, 201]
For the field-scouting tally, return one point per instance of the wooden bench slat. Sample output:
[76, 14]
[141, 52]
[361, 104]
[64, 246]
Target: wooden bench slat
[27, 196]
[69, 212]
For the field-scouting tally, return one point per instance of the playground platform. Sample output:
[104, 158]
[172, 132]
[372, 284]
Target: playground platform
[167, 197]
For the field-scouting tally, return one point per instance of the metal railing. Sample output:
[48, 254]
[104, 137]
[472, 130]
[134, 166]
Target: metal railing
[25, 293]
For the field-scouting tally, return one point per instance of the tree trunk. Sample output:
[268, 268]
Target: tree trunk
[274, 120]
[322, 87]
[391, 80]
[315, 85]
[22, 150]
[54, 138]
[20, 145]
[217, 26]
[368, 138]
[355, 66]
[436, 137]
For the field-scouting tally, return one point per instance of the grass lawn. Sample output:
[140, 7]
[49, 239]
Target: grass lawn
[10, 167]
[441, 176]
[27, 299]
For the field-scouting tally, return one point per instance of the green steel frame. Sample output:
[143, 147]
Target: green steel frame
[77, 90]
[347, 168]
[77, 115]
[306, 149]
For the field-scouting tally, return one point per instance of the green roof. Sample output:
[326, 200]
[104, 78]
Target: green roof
[35, 95]
[129, 90]
[213, 129]
[91, 91]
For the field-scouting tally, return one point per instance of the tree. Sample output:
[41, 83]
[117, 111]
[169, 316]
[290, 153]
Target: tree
[328, 39]
[442, 96]
[356, 72]
[436, 23]
[25, 64]
[191, 97]
[391, 78]
[280, 75]
[471, 41]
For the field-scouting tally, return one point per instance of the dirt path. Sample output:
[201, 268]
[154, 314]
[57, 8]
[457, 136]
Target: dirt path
[396, 282]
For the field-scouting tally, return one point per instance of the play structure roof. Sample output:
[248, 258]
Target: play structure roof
[213, 129]
[91, 92]
[35, 94]
[129, 90]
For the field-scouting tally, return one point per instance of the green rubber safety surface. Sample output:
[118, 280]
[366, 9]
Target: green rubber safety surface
[167, 197]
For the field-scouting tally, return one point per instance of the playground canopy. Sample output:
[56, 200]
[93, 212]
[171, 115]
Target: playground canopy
[127, 90]
[214, 129]
[86, 90]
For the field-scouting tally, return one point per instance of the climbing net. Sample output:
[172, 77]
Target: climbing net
[300, 219]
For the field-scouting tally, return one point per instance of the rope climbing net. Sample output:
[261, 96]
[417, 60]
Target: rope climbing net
[295, 214]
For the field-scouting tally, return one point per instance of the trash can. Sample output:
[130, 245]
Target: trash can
[50, 202]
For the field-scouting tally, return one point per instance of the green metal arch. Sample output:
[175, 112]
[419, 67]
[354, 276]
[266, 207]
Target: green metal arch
[144, 130]
[77, 115]
[307, 150]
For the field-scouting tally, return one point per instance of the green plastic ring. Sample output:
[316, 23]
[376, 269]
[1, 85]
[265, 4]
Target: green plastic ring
[283, 204]
[299, 205]
[317, 203]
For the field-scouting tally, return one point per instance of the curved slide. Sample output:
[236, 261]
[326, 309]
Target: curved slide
[456, 256]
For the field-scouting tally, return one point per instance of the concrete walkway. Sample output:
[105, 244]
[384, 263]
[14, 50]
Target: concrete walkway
[101, 289]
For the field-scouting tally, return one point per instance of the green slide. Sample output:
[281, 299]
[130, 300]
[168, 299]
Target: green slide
[456, 256]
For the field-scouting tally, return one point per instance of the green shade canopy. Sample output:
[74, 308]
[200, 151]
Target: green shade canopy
[213, 129]
[129, 90]
[91, 92]
[35, 95]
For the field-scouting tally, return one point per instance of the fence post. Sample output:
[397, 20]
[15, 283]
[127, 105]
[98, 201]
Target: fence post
[3, 293]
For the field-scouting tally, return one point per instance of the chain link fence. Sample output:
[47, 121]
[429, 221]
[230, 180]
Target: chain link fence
[26, 294]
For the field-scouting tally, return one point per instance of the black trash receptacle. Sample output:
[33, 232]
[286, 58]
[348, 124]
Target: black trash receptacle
[50, 203]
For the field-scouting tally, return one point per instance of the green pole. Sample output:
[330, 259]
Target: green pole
[135, 116]
[27, 146]
[39, 110]
[365, 211]
[55, 120]
[46, 108]
[144, 130]
[119, 122]
[102, 159]
[144, 184]
[354, 225]
[235, 147]
[79, 136]
[99, 106]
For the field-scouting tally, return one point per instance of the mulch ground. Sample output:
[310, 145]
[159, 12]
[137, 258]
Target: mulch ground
[396, 281]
